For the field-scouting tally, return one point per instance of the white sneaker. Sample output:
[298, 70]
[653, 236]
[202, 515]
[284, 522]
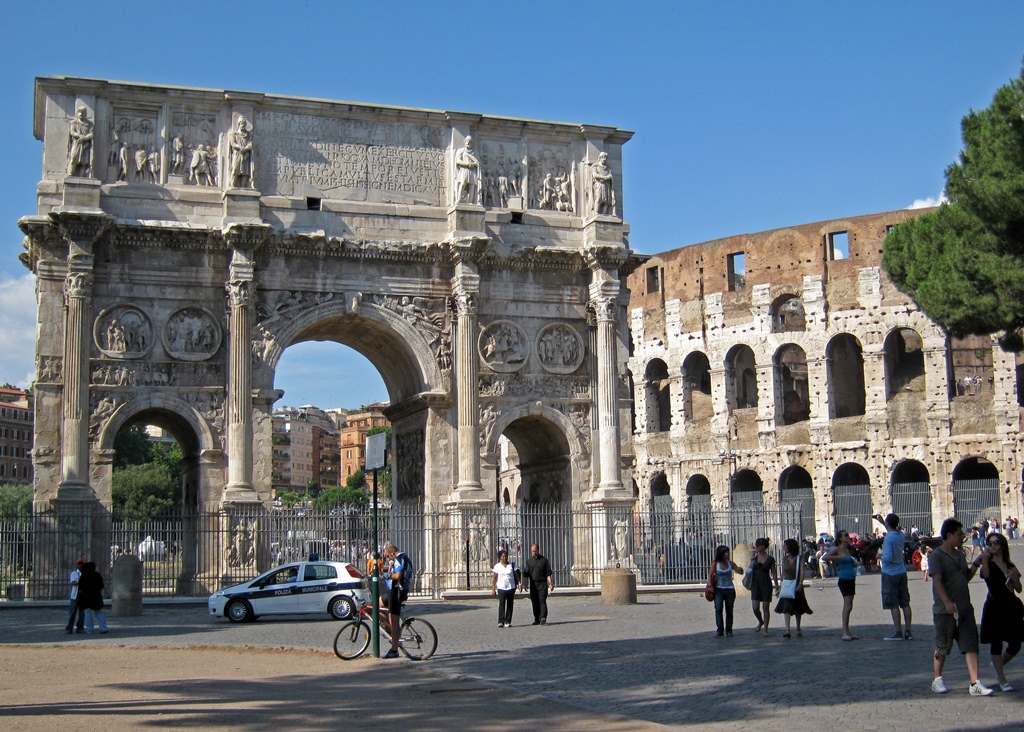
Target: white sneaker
[939, 686]
[979, 689]
[1005, 687]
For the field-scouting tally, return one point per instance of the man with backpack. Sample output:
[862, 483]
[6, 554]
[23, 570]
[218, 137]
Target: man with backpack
[399, 579]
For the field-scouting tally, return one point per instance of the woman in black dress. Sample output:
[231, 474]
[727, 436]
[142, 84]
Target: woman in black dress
[765, 577]
[792, 569]
[90, 597]
[1002, 619]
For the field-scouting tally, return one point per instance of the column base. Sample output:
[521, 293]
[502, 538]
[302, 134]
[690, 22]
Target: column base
[240, 494]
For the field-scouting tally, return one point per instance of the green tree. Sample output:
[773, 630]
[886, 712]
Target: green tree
[964, 263]
[290, 498]
[340, 496]
[15, 500]
[146, 490]
[132, 446]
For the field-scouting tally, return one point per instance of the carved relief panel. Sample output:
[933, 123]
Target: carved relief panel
[503, 346]
[133, 150]
[353, 159]
[502, 173]
[191, 334]
[123, 331]
[193, 147]
[553, 181]
[559, 348]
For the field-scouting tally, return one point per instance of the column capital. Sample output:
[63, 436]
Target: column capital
[246, 236]
[80, 230]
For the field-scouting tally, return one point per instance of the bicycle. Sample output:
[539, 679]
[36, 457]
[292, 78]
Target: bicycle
[418, 641]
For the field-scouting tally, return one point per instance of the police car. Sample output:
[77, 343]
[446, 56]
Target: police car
[334, 588]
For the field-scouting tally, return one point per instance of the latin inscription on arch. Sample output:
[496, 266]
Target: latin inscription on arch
[349, 158]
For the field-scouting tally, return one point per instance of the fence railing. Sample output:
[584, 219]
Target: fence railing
[195, 553]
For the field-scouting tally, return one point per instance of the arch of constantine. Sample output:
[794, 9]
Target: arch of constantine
[184, 238]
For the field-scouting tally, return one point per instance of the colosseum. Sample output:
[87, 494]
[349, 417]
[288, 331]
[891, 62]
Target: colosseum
[785, 367]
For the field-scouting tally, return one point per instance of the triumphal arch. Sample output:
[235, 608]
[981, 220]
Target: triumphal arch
[184, 238]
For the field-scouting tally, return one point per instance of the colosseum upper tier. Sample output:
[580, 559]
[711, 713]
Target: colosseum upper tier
[786, 366]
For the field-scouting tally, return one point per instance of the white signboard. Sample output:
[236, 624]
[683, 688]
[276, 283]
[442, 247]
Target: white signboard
[375, 447]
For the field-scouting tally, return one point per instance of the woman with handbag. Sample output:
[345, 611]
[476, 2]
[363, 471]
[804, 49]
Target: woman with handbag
[763, 578]
[792, 600]
[1002, 618]
[505, 580]
[720, 583]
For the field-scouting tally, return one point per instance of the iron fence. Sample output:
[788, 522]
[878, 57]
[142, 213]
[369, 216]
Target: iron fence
[196, 553]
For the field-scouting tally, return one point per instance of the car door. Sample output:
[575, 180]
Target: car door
[276, 593]
[319, 581]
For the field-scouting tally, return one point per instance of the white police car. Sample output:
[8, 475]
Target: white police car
[334, 588]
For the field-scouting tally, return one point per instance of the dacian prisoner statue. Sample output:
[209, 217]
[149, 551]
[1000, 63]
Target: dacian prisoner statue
[80, 136]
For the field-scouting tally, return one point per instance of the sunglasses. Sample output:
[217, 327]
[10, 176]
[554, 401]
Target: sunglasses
[994, 543]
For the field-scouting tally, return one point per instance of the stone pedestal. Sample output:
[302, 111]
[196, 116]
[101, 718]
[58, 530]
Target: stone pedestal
[466, 221]
[82, 195]
[126, 587]
[618, 587]
[602, 231]
[175, 180]
[241, 206]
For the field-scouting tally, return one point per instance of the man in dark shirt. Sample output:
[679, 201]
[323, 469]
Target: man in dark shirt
[538, 569]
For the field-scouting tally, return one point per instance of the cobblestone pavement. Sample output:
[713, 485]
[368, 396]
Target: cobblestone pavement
[657, 661]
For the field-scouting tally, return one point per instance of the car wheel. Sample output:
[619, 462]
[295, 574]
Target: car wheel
[342, 608]
[238, 611]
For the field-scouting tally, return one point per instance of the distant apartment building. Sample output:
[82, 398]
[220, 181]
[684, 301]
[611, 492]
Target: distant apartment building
[353, 436]
[15, 435]
[304, 443]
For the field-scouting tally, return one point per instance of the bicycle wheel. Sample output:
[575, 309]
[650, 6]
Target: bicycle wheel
[352, 640]
[419, 640]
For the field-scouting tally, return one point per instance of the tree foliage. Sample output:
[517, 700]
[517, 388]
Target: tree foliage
[964, 263]
[15, 500]
[340, 496]
[147, 475]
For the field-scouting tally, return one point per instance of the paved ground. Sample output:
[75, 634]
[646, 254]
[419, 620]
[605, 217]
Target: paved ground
[592, 667]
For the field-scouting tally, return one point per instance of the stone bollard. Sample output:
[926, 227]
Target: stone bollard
[15, 593]
[742, 554]
[126, 587]
[618, 587]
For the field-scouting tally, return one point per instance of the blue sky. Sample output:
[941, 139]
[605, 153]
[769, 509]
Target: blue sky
[749, 115]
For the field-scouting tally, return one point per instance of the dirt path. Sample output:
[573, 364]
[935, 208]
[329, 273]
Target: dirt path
[115, 687]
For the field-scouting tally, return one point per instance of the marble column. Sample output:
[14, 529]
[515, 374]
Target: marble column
[241, 292]
[466, 397]
[607, 396]
[80, 231]
[75, 402]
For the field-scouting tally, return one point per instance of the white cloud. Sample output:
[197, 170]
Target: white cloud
[17, 330]
[929, 202]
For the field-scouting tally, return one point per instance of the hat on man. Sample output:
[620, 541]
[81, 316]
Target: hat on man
[79, 562]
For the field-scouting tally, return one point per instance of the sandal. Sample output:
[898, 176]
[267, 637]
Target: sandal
[848, 637]
[786, 635]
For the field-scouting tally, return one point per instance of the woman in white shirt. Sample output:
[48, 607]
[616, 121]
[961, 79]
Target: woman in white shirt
[505, 580]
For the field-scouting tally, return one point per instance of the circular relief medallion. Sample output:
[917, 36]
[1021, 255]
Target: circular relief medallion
[559, 348]
[123, 331]
[503, 346]
[191, 334]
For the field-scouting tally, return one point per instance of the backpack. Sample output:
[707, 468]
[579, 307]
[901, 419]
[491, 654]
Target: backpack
[408, 571]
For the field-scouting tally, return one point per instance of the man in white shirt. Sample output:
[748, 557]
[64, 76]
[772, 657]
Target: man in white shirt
[73, 610]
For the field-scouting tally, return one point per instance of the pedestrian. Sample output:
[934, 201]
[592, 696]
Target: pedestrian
[90, 597]
[399, 580]
[895, 589]
[75, 614]
[1002, 618]
[505, 580]
[538, 569]
[793, 570]
[978, 538]
[720, 577]
[952, 611]
[843, 558]
[765, 577]
[925, 553]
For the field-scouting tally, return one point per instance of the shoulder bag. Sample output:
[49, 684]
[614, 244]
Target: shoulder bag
[748, 576]
[789, 586]
[709, 588]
